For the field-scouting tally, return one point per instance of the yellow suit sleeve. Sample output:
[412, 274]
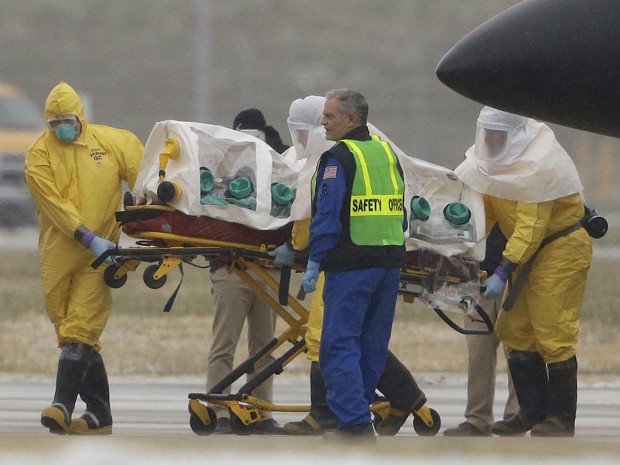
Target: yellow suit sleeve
[45, 192]
[531, 224]
[300, 236]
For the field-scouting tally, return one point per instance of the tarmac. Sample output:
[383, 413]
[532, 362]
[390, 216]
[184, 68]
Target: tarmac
[151, 425]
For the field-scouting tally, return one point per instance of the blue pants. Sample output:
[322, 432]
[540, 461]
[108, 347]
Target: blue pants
[359, 311]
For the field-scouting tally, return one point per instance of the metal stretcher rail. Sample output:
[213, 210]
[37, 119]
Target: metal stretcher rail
[413, 281]
[250, 264]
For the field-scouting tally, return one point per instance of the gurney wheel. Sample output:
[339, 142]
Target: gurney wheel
[149, 277]
[202, 419]
[423, 429]
[111, 280]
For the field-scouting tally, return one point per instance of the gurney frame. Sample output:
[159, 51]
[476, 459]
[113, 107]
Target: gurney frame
[249, 263]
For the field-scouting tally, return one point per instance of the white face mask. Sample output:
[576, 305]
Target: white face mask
[254, 132]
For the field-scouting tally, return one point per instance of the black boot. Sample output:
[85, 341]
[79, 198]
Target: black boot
[562, 395]
[74, 361]
[402, 392]
[95, 393]
[320, 418]
[529, 374]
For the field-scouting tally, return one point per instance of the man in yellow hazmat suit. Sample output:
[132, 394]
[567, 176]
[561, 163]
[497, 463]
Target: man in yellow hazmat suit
[532, 190]
[75, 172]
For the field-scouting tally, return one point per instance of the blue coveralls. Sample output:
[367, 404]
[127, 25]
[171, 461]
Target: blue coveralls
[359, 310]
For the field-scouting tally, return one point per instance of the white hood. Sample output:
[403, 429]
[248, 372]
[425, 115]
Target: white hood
[535, 168]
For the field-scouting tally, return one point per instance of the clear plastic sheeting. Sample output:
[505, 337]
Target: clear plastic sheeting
[445, 216]
[446, 283]
[235, 177]
[219, 173]
[442, 191]
[450, 283]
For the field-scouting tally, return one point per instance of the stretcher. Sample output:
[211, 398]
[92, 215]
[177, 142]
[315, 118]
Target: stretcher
[158, 244]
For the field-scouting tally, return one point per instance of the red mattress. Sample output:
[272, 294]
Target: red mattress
[135, 222]
[456, 266]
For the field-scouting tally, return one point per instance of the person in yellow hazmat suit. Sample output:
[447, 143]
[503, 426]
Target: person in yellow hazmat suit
[396, 383]
[75, 172]
[531, 188]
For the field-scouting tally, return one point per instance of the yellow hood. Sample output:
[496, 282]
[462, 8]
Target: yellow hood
[64, 100]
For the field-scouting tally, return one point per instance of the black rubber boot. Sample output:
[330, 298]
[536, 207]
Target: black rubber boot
[320, 418]
[529, 375]
[402, 392]
[355, 434]
[95, 393]
[73, 363]
[562, 398]
[318, 399]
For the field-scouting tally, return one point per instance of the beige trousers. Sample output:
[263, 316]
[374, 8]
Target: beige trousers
[236, 303]
[482, 363]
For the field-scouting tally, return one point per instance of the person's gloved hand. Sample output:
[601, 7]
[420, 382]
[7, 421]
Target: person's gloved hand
[311, 276]
[495, 286]
[99, 245]
[285, 255]
[96, 244]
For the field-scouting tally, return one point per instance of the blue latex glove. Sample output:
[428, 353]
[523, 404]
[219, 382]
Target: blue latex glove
[98, 245]
[495, 286]
[285, 255]
[311, 276]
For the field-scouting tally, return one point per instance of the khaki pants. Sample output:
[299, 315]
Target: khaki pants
[482, 362]
[235, 303]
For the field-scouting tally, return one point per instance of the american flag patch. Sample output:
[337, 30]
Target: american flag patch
[330, 172]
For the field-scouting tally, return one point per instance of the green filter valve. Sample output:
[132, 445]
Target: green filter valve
[457, 213]
[420, 208]
[281, 194]
[206, 180]
[240, 188]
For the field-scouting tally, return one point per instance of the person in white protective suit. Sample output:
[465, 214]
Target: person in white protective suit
[396, 383]
[75, 172]
[532, 190]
